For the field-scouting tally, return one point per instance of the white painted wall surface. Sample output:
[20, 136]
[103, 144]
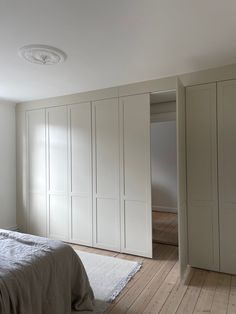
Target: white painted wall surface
[7, 166]
[164, 166]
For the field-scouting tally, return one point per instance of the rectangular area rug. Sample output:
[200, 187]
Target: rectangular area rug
[107, 276]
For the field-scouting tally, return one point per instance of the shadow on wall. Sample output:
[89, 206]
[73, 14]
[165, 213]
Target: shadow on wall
[161, 192]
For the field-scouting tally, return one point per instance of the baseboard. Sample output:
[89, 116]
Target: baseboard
[164, 209]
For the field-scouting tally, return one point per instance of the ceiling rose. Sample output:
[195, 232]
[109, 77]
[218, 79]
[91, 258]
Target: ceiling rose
[42, 54]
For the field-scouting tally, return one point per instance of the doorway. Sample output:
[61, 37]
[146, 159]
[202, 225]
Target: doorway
[164, 168]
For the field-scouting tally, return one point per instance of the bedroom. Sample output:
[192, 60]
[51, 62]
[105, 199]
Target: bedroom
[80, 85]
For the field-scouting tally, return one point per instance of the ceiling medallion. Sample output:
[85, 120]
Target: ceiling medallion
[42, 54]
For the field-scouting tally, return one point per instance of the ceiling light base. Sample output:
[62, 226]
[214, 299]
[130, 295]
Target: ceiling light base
[42, 54]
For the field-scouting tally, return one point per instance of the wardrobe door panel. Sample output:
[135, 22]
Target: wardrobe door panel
[58, 217]
[106, 147]
[135, 154]
[81, 220]
[36, 134]
[107, 228]
[227, 174]
[80, 130]
[106, 174]
[201, 250]
[81, 173]
[57, 149]
[203, 243]
[135, 175]
[37, 214]
[57, 128]
[135, 219]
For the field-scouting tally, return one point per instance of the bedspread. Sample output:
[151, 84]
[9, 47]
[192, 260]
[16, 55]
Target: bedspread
[41, 276]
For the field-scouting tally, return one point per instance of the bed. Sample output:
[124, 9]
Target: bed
[41, 276]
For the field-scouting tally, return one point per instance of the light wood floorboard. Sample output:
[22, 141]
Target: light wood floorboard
[157, 288]
[165, 227]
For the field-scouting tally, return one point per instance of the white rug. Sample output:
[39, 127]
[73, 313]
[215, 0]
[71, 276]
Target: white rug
[107, 276]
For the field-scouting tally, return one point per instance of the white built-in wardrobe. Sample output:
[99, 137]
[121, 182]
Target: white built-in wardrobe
[84, 173]
[88, 173]
[211, 175]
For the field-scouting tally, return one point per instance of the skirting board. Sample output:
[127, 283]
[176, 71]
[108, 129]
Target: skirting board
[164, 209]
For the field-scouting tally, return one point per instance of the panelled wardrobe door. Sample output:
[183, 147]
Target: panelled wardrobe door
[36, 148]
[136, 212]
[57, 150]
[80, 173]
[227, 174]
[106, 203]
[202, 194]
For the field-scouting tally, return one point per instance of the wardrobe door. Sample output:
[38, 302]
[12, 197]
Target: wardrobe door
[136, 212]
[106, 204]
[36, 147]
[57, 149]
[202, 194]
[181, 176]
[227, 174]
[80, 174]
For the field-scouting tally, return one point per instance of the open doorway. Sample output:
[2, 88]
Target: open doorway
[164, 168]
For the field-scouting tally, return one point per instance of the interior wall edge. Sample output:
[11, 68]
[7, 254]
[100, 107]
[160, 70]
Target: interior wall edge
[7, 164]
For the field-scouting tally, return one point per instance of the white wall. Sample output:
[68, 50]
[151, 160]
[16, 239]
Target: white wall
[7, 166]
[164, 166]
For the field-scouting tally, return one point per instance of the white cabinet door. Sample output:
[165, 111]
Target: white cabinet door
[227, 174]
[202, 194]
[136, 211]
[36, 148]
[80, 173]
[181, 176]
[57, 151]
[106, 203]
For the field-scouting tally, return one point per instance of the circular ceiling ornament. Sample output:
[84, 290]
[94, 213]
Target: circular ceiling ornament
[42, 54]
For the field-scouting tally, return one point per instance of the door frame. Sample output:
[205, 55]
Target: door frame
[181, 175]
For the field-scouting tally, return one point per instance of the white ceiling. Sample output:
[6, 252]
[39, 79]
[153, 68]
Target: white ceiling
[111, 42]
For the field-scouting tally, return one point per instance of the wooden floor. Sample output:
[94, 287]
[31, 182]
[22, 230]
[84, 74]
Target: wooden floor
[165, 227]
[156, 288]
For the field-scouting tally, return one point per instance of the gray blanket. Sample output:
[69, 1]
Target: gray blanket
[41, 276]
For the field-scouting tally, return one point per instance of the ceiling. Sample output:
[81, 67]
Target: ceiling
[111, 42]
